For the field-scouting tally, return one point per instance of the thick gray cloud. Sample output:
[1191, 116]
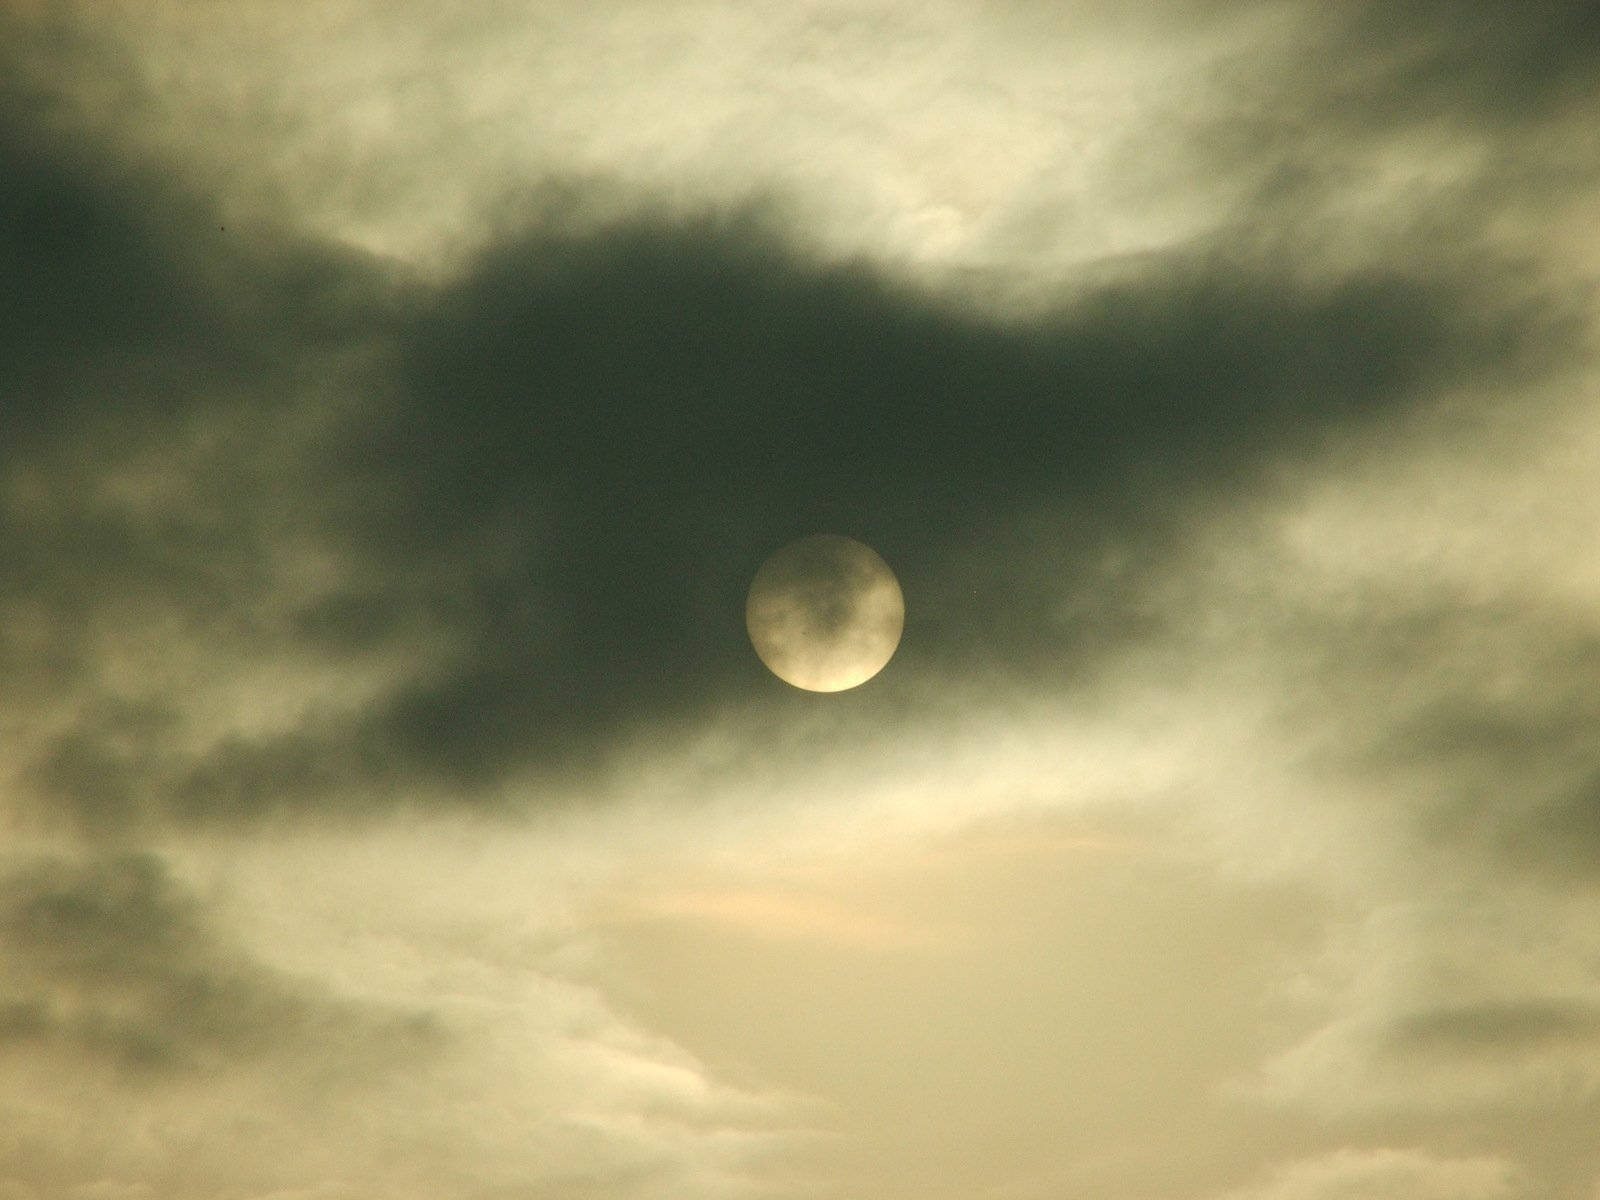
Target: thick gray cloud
[594, 438]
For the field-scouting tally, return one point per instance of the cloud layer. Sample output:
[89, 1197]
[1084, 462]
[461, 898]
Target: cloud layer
[393, 419]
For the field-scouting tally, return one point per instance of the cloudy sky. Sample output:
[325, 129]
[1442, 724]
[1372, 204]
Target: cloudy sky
[396, 400]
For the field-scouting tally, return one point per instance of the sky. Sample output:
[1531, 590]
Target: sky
[397, 399]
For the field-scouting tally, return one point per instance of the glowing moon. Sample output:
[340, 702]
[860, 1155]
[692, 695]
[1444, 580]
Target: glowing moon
[825, 613]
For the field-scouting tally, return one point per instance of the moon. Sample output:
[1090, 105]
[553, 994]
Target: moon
[825, 613]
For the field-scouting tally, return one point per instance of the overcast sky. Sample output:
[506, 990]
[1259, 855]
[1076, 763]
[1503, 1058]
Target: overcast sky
[396, 400]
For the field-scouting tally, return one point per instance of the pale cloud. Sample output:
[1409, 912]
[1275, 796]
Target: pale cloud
[353, 1038]
[1453, 1004]
[766, 913]
[1391, 1174]
[915, 133]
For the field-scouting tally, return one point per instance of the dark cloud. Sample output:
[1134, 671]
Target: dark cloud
[596, 439]
[112, 957]
[550, 480]
[138, 337]
[121, 769]
[1477, 719]
[1520, 777]
[129, 304]
[1371, 65]
[1483, 60]
[154, 365]
[589, 442]
[1497, 1028]
[1405, 133]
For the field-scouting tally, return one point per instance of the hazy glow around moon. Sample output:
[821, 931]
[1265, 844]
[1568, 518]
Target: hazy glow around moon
[825, 613]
